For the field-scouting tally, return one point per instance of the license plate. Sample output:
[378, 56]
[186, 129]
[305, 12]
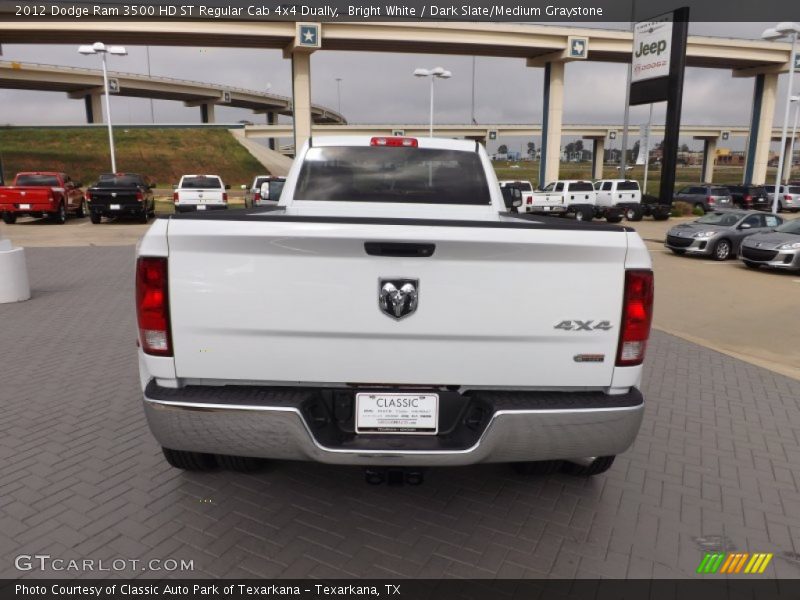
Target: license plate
[201, 207]
[546, 207]
[397, 413]
[25, 206]
[114, 207]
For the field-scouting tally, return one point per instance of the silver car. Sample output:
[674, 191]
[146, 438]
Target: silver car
[779, 249]
[705, 196]
[719, 234]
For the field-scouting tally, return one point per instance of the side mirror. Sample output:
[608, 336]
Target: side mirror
[745, 226]
[516, 198]
[243, 187]
[227, 186]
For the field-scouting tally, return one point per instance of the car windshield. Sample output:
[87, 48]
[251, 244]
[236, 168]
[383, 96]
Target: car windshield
[119, 181]
[581, 186]
[201, 182]
[723, 219]
[627, 186]
[524, 186]
[720, 191]
[392, 174]
[36, 180]
[792, 227]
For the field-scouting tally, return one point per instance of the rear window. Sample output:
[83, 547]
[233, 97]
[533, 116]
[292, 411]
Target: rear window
[720, 191]
[275, 189]
[581, 186]
[201, 183]
[120, 181]
[524, 186]
[794, 189]
[392, 174]
[628, 186]
[34, 180]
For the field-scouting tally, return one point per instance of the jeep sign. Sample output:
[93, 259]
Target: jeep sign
[651, 48]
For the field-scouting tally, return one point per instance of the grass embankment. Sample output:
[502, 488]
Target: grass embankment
[162, 154]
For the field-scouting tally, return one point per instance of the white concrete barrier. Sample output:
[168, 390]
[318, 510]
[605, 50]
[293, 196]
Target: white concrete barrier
[14, 285]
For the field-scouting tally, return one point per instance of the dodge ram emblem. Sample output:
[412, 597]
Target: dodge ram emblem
[398, 298]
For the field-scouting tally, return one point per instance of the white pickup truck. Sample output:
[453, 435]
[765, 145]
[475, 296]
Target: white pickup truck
[200, 192]
[567, 197]
[364, 321]
[622, 194]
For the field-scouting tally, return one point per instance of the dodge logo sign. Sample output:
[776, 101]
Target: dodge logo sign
[398, 298]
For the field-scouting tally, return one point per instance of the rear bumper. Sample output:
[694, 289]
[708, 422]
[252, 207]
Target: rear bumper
[193, 207]
[296, 424]
[124, 209]
[33, 207]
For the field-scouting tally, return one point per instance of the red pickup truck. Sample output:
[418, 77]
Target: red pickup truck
[42, 194]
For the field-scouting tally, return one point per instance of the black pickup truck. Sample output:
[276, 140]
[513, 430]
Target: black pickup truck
[121, 194]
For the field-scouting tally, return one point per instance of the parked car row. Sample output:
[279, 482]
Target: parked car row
[755, 237]
[708, 197]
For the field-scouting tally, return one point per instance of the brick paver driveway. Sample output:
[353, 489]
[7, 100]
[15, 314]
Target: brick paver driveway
[716, 467]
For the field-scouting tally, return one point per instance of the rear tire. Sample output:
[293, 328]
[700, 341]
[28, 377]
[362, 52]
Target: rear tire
[96, 218]
[584, 214]
[722, 250]
[242, 464]
[9, 218]
[189, 461]
[634, 213]
[614, 217]
[144, 217]
[601, 464]
[81, 213]
[539, 467]
[60, 216]
[659, 216]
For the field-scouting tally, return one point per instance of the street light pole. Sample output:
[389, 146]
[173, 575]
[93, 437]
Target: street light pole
[152, 111]
[101, 49]
[795, 99]
[108, 116]
[779, 31]
[339, 95]
[439, 73]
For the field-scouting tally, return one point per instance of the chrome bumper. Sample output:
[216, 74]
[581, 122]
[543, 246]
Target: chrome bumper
[281, 431]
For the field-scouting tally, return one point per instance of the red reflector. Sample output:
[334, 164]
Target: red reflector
[406, 142]
[224, 196]
[257, 196]
[637, 315]
[88, 195]
[174, 196]
[139, 196]
[152, 306]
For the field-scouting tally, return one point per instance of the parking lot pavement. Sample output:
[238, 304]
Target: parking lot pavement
[714, 468]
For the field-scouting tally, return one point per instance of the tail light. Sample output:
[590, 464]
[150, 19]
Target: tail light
[257, 197]
[637, 314]
[88, 195]
[787, 197]
[748, 199]
[710, 199]
[152, 306]
[140, 196]
[174, 196]
[224, 196]
[395, 142]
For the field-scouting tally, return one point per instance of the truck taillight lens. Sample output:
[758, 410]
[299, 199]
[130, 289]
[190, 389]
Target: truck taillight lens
[88, 195]
[224, 196]
[152, 306]
[174, 196]
[257, 197]
[140, 196]
[637, 314]
[710, 200]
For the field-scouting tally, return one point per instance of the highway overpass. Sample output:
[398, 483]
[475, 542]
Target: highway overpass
[540, 46]
[87, 85]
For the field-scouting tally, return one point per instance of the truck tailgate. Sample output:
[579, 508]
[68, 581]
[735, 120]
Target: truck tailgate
[297, 301]
[25, 195]
[200, 196]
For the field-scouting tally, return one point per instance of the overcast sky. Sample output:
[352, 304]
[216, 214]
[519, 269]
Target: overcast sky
[380, 88]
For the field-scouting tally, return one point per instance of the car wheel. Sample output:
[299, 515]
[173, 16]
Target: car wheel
[661, 215]
[189, 461]
[634, 213]
[60, 216]
[722, 250]
[81, 213]
[144, 217]
[9, 218]
[678, 252]
[699, 206]
[614, 218]
[243, 464]
[584, 214]
[601, 464]
[750, 264]
[96, 218]
[539, 467]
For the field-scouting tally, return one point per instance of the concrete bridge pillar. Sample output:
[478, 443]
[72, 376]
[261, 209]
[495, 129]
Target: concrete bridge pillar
[272, 118]
[598, 152]
[301, 97]
[552, 120]
[207, 112]
[787, 162]
[709, 156]
[764, 96]
[94, 107]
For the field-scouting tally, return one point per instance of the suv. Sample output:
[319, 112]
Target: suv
[705, 196]
[788, 197]
[750, 197]
[255, 196]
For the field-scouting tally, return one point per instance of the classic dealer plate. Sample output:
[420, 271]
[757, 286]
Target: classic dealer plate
[114, 207]
[201, 207]
[397, 413]
[24, 206]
